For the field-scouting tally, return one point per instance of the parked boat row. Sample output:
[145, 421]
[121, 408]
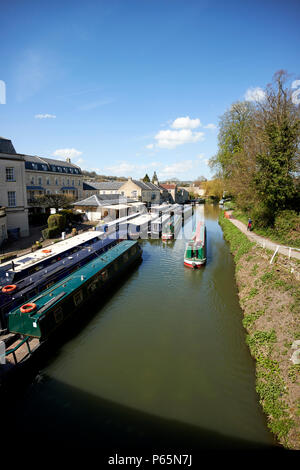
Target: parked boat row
[44, 313]
[12, 295]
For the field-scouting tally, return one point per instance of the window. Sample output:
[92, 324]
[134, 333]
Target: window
[45, 167]
[40, 180]
[78, 182]
[73, 183]
[134, 193]
[10, 174]
[56, 181]
[11, 198]
[48, 180]
[32, 180]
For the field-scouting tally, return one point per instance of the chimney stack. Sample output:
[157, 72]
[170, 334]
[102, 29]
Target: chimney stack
[68, 159]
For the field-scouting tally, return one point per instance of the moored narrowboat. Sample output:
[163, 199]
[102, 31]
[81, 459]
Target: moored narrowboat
[47, 312]
[195, 252]
[170, 230]
[15, 294]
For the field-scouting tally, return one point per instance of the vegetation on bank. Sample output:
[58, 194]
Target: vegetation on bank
[258, 156]
[270, 298]
[286, 229]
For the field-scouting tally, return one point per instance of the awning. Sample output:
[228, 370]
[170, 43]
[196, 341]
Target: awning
[35, 188]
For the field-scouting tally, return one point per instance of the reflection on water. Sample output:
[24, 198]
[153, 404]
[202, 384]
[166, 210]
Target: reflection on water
[168, 348]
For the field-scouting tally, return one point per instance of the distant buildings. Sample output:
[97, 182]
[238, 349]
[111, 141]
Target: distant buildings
[177, 194]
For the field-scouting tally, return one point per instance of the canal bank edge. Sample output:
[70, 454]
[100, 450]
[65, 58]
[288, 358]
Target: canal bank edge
[269, 296]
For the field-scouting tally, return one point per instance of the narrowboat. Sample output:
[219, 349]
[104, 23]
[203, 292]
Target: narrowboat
[45, 313]
[158, 225]
[187, 211]
[25, 265]
[13, 295]
[195, 252]
[140, 227]
[171, 228]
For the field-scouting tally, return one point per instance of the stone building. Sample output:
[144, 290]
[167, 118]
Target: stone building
[145, 192]
[13, 199]
[49, 176]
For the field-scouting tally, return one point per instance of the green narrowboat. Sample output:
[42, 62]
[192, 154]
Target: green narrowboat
[195, 252]
[45, 313]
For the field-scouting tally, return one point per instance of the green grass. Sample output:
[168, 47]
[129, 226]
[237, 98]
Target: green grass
[268, 232]
[239, 243]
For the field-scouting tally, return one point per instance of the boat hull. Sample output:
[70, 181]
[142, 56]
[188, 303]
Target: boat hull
[194, 264]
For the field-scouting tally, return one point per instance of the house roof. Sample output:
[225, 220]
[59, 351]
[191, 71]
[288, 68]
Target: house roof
[6, 146]
[168, 186]
[146, 186]
[105, 185]
[50, 164]
[102, 200]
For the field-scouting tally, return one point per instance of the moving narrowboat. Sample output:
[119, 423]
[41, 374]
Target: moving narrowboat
[195, 252]
[15, 294]
[47, 312]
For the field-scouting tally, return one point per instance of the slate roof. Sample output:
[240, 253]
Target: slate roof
[6, 146]
[49, 164]
[146, 186]
[105, 185]
[102, 200]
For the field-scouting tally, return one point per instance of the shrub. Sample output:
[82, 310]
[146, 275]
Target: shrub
[51, 232]
[57, 221]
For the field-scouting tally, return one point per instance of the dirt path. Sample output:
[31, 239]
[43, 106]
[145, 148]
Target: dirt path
[264, 242]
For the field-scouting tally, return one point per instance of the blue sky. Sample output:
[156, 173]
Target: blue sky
[109, 82]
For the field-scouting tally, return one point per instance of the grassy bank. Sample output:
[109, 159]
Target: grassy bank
[287, 234]
[270, 299]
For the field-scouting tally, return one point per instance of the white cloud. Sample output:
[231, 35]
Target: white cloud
[210, 126]
[186, 123]
[64, 153]
[149, 146]
[200, 156]
[171, 139]
[175, 169]
[255, 94]
[45, 116]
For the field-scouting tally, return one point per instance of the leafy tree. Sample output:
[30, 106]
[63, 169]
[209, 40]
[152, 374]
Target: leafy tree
[58, 201]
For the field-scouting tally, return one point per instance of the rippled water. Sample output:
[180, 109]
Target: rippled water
[164, 357]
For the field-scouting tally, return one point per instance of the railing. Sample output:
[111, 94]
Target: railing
[13, 350]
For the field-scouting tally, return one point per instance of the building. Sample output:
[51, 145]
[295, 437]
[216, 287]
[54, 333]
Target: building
[145, 192]
[13, 199]
[195, 190]
[177, 195]
[107, 206]
[49, 176]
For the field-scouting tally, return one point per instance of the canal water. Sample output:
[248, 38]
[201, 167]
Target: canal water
[160, 362]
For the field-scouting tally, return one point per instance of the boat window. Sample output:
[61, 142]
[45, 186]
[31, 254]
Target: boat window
[78, 297]
[58, 314]
[93, 285]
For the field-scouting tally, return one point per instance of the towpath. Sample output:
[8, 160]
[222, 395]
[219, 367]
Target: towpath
[265, 242]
